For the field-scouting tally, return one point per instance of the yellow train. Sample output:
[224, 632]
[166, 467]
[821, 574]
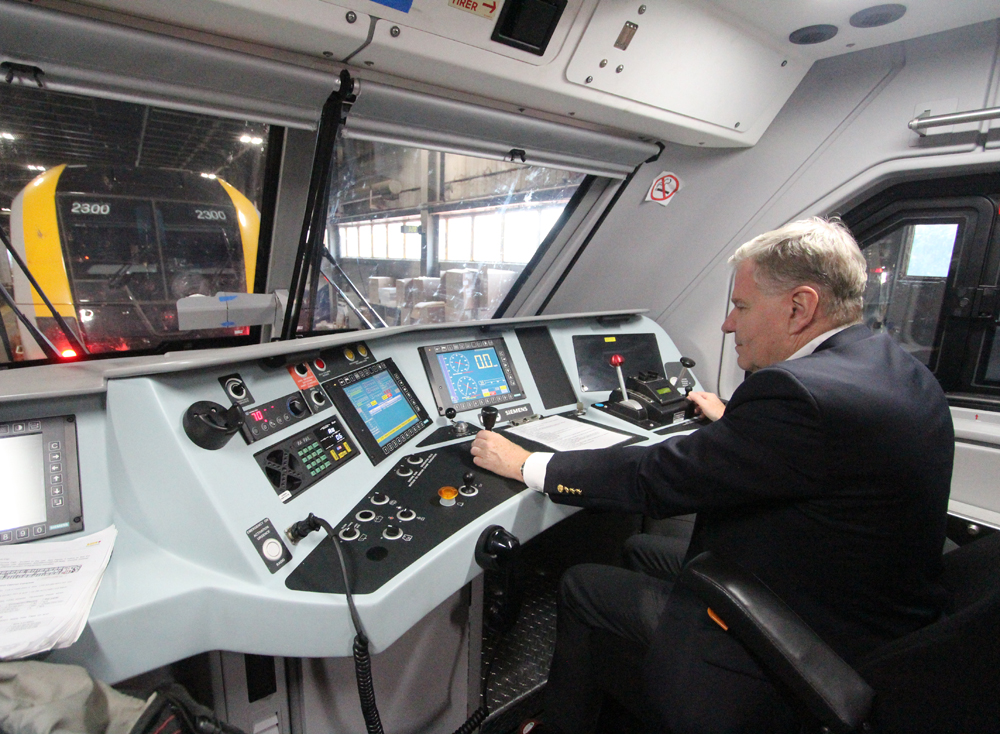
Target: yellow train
[113, 248]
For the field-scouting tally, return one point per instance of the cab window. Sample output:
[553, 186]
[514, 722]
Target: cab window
[119, 210]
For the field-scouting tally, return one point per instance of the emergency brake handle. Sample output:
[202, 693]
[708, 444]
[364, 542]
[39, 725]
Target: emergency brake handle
[498, 553]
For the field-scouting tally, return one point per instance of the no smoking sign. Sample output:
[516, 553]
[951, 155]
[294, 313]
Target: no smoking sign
[663, 188]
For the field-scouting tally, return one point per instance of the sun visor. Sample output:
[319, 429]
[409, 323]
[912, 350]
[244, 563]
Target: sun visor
[392, 115]
[84, 56]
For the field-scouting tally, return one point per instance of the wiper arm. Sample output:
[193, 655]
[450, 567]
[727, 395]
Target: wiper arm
[39, 337]
[71, 336]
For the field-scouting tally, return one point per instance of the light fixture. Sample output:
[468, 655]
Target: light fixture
[878, 15]
[245, 139]
[68, 353]
[32, 167]
[209, 175]
[256, 141]
[86, 315]
[7, 136]
[813, 34]
[251, 139]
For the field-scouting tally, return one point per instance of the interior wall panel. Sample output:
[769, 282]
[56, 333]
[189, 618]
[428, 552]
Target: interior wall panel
[848, 116]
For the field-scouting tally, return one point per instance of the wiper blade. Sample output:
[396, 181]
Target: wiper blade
[71, 336]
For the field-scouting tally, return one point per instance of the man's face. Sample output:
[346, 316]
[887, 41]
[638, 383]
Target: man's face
[759, 322]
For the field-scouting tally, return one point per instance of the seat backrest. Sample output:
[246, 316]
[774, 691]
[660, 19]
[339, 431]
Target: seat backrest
[946, 677]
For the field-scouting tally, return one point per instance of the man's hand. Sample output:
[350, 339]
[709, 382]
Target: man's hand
[495, 453]
[707, 404]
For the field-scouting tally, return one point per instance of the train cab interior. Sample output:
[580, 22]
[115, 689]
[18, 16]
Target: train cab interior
[267, 268]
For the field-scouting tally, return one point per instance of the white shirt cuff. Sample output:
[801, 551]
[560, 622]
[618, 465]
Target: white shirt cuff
[534, 470]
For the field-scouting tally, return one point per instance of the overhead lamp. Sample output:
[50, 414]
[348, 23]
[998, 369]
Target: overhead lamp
[7, 136]
[256, 141]
[32, 167]
[245, 138]
[209, 175]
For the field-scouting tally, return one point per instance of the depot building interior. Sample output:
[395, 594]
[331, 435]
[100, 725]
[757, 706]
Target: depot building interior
[266, 260]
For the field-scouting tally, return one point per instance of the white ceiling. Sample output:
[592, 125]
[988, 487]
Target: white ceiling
[778, 18]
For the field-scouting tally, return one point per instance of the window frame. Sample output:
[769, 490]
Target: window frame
[959, 339]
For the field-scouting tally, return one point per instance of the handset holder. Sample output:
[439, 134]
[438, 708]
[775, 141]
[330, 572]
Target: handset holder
[498, 553]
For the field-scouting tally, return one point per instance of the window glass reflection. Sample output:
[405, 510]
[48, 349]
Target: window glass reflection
[907, 277]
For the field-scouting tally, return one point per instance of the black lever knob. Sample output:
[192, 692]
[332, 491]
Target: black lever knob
[210, 426]
[687, 362]
[450, 413]
[468, 478]
[489, 417]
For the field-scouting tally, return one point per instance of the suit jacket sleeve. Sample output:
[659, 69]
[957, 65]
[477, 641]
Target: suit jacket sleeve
[768, 445]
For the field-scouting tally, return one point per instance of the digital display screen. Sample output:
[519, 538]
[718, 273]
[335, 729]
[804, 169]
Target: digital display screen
[473, 374]
[381, 405]
[22, 481]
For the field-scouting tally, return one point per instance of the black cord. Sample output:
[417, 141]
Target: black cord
[362, 657]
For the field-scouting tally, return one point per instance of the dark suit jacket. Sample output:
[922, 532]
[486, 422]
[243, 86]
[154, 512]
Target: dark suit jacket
[827, 477]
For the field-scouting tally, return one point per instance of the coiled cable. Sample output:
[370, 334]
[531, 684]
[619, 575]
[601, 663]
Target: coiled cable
[362, 657]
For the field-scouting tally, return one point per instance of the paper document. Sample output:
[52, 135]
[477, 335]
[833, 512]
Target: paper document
[563, 434]
[46, 591]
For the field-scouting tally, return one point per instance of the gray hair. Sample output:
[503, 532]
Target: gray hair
[816, 252]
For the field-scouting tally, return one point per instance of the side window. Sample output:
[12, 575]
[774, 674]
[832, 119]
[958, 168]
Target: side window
[929, 281]
[908, 270]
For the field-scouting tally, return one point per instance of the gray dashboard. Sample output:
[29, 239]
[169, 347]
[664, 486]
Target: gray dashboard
[187, 575]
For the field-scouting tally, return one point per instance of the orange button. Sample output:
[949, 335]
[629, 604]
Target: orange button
[447, 495]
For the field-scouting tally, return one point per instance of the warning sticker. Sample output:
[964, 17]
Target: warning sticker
[484, 9]
[663, 188]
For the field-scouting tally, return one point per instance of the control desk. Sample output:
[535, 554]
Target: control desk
[203, 459]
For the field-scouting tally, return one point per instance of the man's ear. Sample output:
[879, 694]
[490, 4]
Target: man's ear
[805, 308]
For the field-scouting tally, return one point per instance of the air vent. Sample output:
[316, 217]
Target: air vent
[878, 15]
[813, 34]
[528, 24]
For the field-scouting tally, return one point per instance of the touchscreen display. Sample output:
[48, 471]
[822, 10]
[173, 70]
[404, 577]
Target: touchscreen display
[382, 407]
[22, 481]
[473, 374]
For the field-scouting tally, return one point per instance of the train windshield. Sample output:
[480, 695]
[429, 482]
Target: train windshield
[422, 236]
[119, 210]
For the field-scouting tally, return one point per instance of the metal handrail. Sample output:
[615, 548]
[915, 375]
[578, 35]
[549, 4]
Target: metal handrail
[922, 122]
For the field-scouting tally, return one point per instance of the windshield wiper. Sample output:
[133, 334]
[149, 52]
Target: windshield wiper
[71, 336]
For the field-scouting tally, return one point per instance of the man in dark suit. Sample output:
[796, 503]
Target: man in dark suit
[827, 476]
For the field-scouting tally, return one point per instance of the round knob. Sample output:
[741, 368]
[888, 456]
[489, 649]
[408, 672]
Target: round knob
[391, 532]
[301, 369]
[404, 471]
[296, 407]
[405, 515]
[469, 490]
[447, 495]
[687, 362]
[379, 498]
[414, 459]
[468, 478]
[450, 413]
[365, 516]
[350, 533]
[617, 360]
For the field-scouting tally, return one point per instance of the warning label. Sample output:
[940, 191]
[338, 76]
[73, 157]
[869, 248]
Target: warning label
[663, 188]
[486, 10]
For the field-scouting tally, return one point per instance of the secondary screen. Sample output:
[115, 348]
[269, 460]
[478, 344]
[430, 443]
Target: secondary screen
[473, 374]
[381, 405]
[22, 482]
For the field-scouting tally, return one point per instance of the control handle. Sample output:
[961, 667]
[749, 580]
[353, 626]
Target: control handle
[210, 425]
[489, 417]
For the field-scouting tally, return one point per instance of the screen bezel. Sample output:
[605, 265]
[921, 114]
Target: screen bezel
[436, 378]
[356, 424]
[60, 481]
